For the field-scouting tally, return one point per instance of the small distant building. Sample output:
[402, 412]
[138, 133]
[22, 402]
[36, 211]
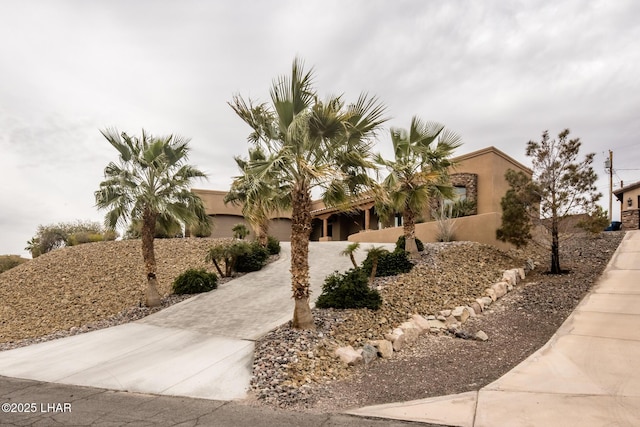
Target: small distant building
[629, 198]
[477, 177]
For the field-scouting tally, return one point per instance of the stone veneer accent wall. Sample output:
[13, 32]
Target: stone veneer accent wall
[470, 182]
[630, 219]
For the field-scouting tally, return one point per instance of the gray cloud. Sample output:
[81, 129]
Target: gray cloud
[498, 73]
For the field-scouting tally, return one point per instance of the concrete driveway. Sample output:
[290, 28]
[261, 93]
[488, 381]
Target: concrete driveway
[202, 347]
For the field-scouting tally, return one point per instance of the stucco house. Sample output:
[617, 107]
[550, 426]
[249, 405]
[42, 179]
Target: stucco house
[629, 198]
[477, 176]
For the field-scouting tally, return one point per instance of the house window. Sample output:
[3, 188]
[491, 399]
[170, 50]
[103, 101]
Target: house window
[460, 193]
[398, 220]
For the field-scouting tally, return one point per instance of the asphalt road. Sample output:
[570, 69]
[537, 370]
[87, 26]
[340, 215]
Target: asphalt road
[51, 404]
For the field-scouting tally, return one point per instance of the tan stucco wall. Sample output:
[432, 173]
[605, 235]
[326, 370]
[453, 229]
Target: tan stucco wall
[224, 217]
[280, 228]
[214, 203]
[633, 194]
[490, 164]
[478, 228]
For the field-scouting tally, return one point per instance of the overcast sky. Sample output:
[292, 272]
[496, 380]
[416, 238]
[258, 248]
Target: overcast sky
[497, 72]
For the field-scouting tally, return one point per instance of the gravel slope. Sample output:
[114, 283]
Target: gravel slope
[74, 286]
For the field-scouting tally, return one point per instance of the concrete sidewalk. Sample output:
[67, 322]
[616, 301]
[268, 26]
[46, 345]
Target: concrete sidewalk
[586, 375]
[202, 347]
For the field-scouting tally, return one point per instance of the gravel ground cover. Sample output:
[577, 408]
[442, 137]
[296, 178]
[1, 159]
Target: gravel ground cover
[296, 370]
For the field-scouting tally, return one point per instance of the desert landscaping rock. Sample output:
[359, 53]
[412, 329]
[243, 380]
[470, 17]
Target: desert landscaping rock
[461, 314]
[486, 302]
[499, 289]
[369, 353]
[348, 355]
[481, 336]
[384, 347]
[476, 307]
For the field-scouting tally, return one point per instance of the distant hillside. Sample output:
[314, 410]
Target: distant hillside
[85, 283]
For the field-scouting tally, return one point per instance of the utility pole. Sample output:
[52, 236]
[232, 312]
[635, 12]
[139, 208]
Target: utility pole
[608, 164]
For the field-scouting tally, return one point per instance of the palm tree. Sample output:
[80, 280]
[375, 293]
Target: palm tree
[150, 182]
[258, 198]
[309, 144]
[240, 231]
[375, 252]
[418, 173]
[349, 251]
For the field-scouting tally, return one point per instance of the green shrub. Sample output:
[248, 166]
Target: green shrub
[195, 281]
[389, 264]
[348, 290]
[226, 254]
[273, 245]
[54, 236]
[240, 231]
[253, 259]
[200, 230]
[7, 262]
[401, 242]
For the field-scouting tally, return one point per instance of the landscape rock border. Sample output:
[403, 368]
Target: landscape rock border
[446, 320]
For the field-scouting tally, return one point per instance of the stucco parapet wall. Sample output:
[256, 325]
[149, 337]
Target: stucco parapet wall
[214, 204]
[494, 150]
[476, 228]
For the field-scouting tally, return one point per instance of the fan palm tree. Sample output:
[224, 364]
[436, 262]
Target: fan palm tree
[375, 253]
[309, 143]
[150, 182]
[259, 198]
[417, 173]
[349, 251]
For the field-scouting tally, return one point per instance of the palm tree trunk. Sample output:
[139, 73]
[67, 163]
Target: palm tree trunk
[263, 233]
[353, 260]
[218, 268]
[300, 232]
[152, 297]
[374, 269]
[409, 228]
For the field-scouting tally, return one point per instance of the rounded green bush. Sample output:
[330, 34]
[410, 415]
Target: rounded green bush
[389, 264]
[195, 281]
[273, 245]
[348, 290]
[252, 260]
